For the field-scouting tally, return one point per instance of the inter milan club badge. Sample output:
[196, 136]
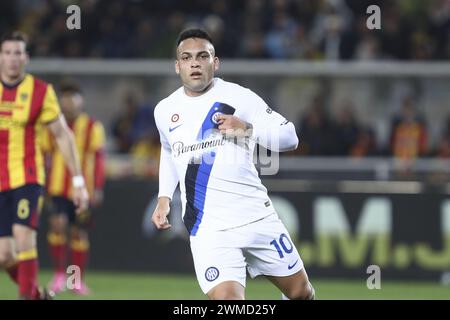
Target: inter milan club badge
[214, 117]
[211, 274]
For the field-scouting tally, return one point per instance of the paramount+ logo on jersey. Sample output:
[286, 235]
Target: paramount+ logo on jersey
[180, 148]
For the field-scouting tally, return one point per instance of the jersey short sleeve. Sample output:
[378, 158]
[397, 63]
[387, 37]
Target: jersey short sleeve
[50, 109]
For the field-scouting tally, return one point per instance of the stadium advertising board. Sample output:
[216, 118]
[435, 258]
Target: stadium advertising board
[339, 235]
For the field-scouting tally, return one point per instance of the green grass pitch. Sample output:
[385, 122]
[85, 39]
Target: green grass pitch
[109, 285]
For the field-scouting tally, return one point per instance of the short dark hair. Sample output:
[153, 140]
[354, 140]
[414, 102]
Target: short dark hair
[14, 36]
[70, 87]
[193, 33]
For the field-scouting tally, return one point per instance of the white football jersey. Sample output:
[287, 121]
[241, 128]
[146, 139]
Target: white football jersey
[220, 187]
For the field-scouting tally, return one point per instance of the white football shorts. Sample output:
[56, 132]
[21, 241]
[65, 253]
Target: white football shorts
[263, 247]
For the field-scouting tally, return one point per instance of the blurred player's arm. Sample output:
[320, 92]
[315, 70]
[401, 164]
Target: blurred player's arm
[98, 148]
[99, 178]
[66, 144]
[168, 181]
[51, 116]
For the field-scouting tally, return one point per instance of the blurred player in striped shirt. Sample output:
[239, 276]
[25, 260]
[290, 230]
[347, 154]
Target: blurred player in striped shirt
[89, 138]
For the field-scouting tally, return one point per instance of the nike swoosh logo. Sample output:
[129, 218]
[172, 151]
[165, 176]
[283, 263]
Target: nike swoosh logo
[291, 266]
[171, 129]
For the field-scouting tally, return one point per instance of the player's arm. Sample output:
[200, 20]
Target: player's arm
[99, 177]
[274, 132]
[270, 129]
[168, 181]
[98, 149]
[66, 144]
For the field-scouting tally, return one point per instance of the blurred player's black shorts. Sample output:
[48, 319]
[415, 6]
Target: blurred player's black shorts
[62, 205]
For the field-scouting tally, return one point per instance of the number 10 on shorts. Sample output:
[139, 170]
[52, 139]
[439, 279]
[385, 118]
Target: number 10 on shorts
[283, 243]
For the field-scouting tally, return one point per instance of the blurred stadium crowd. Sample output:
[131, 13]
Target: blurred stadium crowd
[135, 132]
[278, 29]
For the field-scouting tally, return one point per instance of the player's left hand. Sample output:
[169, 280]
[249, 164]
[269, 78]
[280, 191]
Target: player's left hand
[230, 125]
[80, 199]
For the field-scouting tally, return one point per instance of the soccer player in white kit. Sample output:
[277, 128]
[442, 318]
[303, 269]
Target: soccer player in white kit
[208, 130]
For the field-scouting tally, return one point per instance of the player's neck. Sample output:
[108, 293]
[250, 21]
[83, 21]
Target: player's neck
[11, 81]
[195, 94]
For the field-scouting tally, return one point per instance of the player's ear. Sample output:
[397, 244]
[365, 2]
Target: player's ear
[216, 63]
[177, 67]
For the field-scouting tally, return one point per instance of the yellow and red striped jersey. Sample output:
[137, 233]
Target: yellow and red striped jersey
[90, 139]
[24, 109]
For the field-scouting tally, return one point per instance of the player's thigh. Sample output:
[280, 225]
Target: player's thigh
[58, 223]
[227, 290]
[218, 258]
[79, 233]
[83, 220]
[27, 205]
[295, 286]
[272, 251]
[7, 254]
[25, 238]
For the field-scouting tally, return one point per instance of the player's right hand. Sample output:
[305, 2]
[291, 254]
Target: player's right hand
[80, 198]
[159, 217]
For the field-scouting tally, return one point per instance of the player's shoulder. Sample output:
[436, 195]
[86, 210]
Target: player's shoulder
[85, 117]
[37, 81]
[85, 120]
[92, 119]
[228, 85]
[168, 102]
[234, 88]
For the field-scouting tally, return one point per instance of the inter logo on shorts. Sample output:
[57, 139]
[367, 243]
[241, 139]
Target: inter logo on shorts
[211, 274]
